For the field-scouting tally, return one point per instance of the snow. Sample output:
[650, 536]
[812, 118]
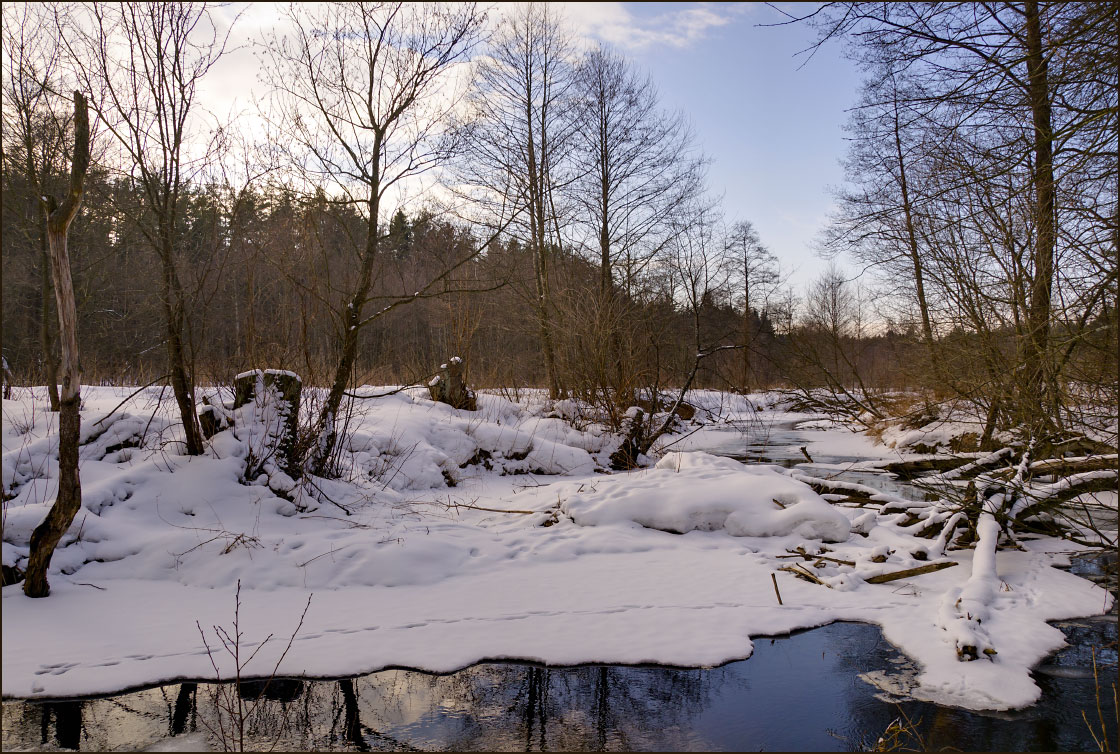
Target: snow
[282, 373]
[722, 495]
[670, 564]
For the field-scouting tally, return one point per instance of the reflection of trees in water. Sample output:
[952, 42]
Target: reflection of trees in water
[492, 706]
[508, 706]
[67, 724]
[186, 705]
[517, 706]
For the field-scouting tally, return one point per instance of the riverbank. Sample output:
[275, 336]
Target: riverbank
[407, 571]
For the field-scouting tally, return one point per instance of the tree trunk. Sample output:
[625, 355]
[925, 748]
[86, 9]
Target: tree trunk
[537, 188]
[69, 499]
[352, 322]
[36, 216]
[1039, 376]
[912, 243]
[288, 388]
[182, 383]
[746, 381]
[46, 340]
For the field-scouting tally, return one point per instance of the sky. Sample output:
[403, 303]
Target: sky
[769, 119]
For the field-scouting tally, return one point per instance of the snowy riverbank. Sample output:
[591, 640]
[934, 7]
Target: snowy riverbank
[670, 564]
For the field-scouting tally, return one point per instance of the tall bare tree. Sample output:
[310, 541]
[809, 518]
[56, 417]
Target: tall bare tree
[521, 140]
[1025, 94]
[881, 207]
[143, 63]
[363, 94]
[34, 144]
[638, 170]
[756, 270]
[69, 498]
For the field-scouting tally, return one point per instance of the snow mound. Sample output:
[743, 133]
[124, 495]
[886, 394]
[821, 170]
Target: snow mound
[702, 492]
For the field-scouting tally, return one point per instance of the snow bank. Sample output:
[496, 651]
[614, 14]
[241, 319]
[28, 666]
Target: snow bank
[719, 494]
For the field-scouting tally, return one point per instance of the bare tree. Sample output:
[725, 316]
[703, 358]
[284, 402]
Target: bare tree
[638, 168]
[363, 93]
[69, 498]
[34, 143]
[142, 63]
[757, 270]
[1026, 93]
[880, 210]
[521, 139]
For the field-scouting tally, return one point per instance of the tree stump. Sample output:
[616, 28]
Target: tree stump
[448, 386]
[212, 419]
[284, 388]
[626, 457]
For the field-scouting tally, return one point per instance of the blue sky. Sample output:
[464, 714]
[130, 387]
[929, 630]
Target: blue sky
[771, 125]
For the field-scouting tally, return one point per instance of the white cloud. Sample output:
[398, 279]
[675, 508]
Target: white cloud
[616, 24]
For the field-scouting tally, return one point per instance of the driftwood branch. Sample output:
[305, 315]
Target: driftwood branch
[883, 578]
[804, 573]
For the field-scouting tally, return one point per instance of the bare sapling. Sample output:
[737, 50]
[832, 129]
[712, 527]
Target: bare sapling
[233, 712]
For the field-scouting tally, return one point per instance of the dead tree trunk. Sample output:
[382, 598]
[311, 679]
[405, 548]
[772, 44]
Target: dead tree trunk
[69, 499]
[449, 386]
[37, 217]
[46, 341]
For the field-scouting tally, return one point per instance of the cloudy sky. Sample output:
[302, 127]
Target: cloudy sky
[770, 120]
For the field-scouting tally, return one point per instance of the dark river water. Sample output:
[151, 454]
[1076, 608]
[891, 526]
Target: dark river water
[834, 688]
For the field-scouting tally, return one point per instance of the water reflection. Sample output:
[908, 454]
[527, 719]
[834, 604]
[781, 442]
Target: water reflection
[67, 724]
[799, 692]
[186, 705]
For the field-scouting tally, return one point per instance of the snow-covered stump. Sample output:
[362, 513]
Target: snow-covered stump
[626, 457]
[449, 387]
[280, 389]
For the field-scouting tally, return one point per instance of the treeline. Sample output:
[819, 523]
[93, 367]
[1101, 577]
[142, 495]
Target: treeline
[564, 238]
[260, 281]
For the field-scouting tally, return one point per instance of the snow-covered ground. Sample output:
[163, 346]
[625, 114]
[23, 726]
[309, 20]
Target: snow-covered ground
[455, 536]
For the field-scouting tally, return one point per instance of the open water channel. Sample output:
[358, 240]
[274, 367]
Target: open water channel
[824, 689]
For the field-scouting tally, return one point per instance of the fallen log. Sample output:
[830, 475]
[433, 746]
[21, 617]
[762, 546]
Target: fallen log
[1070, 466]
[883, 578]
[912, 469]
